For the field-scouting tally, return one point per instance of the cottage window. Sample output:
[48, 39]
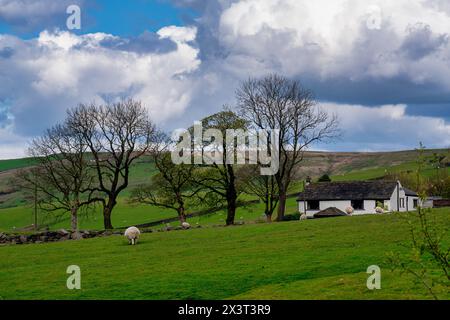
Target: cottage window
[358, 204]
[415, 203]
[402, 202]
[313, 205]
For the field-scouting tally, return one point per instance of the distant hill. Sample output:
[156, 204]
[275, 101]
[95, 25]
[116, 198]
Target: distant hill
[339, 165]
[343, 163]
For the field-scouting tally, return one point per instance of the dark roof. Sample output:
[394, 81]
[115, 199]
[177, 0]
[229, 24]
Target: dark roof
[351, 190]
[409, 192]
[330, 212]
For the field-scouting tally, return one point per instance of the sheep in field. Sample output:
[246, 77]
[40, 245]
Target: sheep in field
[379, 210]
[132, 234]
[349, 210]
[185, 225]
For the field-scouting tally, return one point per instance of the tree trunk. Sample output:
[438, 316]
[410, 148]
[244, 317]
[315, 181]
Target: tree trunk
[268, 209]
[281, 205]
[107, 219]
[107, 210]
[231, 211]
[231, 196]
[74, 219]
[181, 214]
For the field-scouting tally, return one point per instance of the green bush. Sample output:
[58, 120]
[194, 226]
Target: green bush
[292, 217]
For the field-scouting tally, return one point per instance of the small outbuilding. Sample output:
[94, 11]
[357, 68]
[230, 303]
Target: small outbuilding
[330, 212]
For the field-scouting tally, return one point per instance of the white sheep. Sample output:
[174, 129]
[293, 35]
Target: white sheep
[379, 210]
[304, 217]
[132, 234]
[185, 225]
[349, 210]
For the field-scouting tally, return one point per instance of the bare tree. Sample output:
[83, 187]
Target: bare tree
[116, 134]
[275, 102]
[172, 187]
[61, 177]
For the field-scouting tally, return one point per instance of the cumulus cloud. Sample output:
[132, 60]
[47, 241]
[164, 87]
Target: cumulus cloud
[26, 15]
[327, 42]
[386, 127]
[374, 60]
[45, 76]
[382, 52]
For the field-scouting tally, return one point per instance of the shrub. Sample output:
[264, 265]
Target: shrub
[292, 217]
[324, 178]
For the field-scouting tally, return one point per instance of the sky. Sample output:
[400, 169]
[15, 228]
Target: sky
[382, 66]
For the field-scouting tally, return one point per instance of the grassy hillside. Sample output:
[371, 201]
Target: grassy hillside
[6, 165]
[344, 163]
[314, 259]
[125, 215]
[341, 166]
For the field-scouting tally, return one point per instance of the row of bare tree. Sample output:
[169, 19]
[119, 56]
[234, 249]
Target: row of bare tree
[87, 159]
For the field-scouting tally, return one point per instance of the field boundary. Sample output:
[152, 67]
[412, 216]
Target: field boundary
[198, 214]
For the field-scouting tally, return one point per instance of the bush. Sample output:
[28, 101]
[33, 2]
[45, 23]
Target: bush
[324, 178]
[292, 217]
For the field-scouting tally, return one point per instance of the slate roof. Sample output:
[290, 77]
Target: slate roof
[410, 193]
[330, 212]
[351, 190]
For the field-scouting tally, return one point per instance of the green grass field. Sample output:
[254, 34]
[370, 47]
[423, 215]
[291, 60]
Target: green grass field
[12, 218]
[314, 259]
[16, 164]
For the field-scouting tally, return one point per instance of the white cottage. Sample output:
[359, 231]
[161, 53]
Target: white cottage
[333, 198]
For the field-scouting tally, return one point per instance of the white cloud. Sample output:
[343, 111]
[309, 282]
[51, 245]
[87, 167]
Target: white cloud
[11, 145]
[387, 127]
[402, 57]
[45, 76]
[332, 38]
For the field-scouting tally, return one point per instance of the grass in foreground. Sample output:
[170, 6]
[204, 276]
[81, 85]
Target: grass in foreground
[314, 259]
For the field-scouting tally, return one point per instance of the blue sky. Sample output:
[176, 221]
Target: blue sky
[132, 19]
[117, 17]
[382, 69]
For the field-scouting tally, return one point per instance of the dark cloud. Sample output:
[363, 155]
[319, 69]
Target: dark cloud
[207, 25]
[374, 92]
[378, 68]
[25, 16]
[147, 42]
[421, 42]
[3, 118]
[6, 52]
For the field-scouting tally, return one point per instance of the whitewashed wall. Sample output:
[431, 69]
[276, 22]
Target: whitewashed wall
[408, 201]
[411, 203]
[369, 205]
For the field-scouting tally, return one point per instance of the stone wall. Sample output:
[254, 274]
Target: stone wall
[52, 236]
[64, 235]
